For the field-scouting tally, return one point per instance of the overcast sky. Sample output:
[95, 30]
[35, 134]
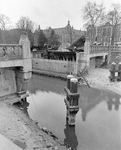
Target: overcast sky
[53, 13]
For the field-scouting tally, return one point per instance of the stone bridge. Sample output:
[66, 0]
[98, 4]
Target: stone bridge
[93, 56]
[15, 69]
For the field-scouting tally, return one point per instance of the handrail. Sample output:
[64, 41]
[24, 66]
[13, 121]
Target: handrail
[10, 45]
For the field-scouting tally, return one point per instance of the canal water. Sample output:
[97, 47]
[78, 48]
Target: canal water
[98, 122]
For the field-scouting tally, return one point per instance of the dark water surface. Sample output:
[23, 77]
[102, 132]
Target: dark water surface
[98, 122]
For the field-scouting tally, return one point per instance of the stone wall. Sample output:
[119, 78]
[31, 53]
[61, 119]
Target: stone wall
[54, 65]
[92, 62]
[7, 82]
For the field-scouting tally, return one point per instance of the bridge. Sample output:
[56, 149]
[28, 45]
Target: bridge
[93, 55]
[64, 62]
[15, 69]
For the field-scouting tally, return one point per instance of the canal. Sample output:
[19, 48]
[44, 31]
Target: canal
[98, 122]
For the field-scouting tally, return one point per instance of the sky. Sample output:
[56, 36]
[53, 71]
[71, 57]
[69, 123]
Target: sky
[49, 13]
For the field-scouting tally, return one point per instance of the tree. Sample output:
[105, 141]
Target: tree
[42, 40]
[25, 23]
[4, 21]
[53, 40]
[114, 18]
[93, 13]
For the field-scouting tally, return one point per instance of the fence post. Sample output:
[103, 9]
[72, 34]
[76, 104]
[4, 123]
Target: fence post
[112, 71]
[119, 71]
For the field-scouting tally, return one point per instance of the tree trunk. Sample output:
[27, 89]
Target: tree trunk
[113, 35]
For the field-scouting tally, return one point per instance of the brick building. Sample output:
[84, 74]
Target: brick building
[67, 35]
[103, 34]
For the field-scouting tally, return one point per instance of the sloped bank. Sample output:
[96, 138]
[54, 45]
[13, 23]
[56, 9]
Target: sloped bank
[20, 129]
[99, 78]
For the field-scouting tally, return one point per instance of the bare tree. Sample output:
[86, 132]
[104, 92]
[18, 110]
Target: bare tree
[114, 18]
[93, 13]
[4, 21]
[25, 23]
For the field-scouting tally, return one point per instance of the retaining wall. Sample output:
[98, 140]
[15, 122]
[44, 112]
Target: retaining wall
[54, 65]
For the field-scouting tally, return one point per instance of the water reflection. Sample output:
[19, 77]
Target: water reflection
[91, 97]
[48, 84]
[96, 127]
[70, 136]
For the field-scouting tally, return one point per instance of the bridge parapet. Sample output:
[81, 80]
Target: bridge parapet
[115, 48]
[16, 55]
[10, 52]
[98, 49]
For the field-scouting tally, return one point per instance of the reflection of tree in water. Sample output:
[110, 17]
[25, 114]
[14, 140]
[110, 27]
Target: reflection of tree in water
[90, 98]
[115, 101]
[48, 84]
[70, 136]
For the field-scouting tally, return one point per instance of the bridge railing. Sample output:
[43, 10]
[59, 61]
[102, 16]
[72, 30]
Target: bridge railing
[98, 49]
[115, 48]
[10, 52]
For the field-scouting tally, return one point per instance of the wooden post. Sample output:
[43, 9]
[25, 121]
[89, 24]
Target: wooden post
[112, 71]
[73, 85]
[71, 99]
[73, 89]
[68, 80]
[119, 71]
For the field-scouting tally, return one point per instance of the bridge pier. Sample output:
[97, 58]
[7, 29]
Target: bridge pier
[83, 58]
[15, 71]
[22, 79]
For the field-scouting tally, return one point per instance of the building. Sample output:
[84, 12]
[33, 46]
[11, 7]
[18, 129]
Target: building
[67, 35]
[103, 34]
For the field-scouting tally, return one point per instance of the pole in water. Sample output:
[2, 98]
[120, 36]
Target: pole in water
[119, 71]
[73, 85]
[74, 89]
[72, 99]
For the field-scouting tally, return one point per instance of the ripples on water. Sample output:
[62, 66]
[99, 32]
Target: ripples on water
[98, 122]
